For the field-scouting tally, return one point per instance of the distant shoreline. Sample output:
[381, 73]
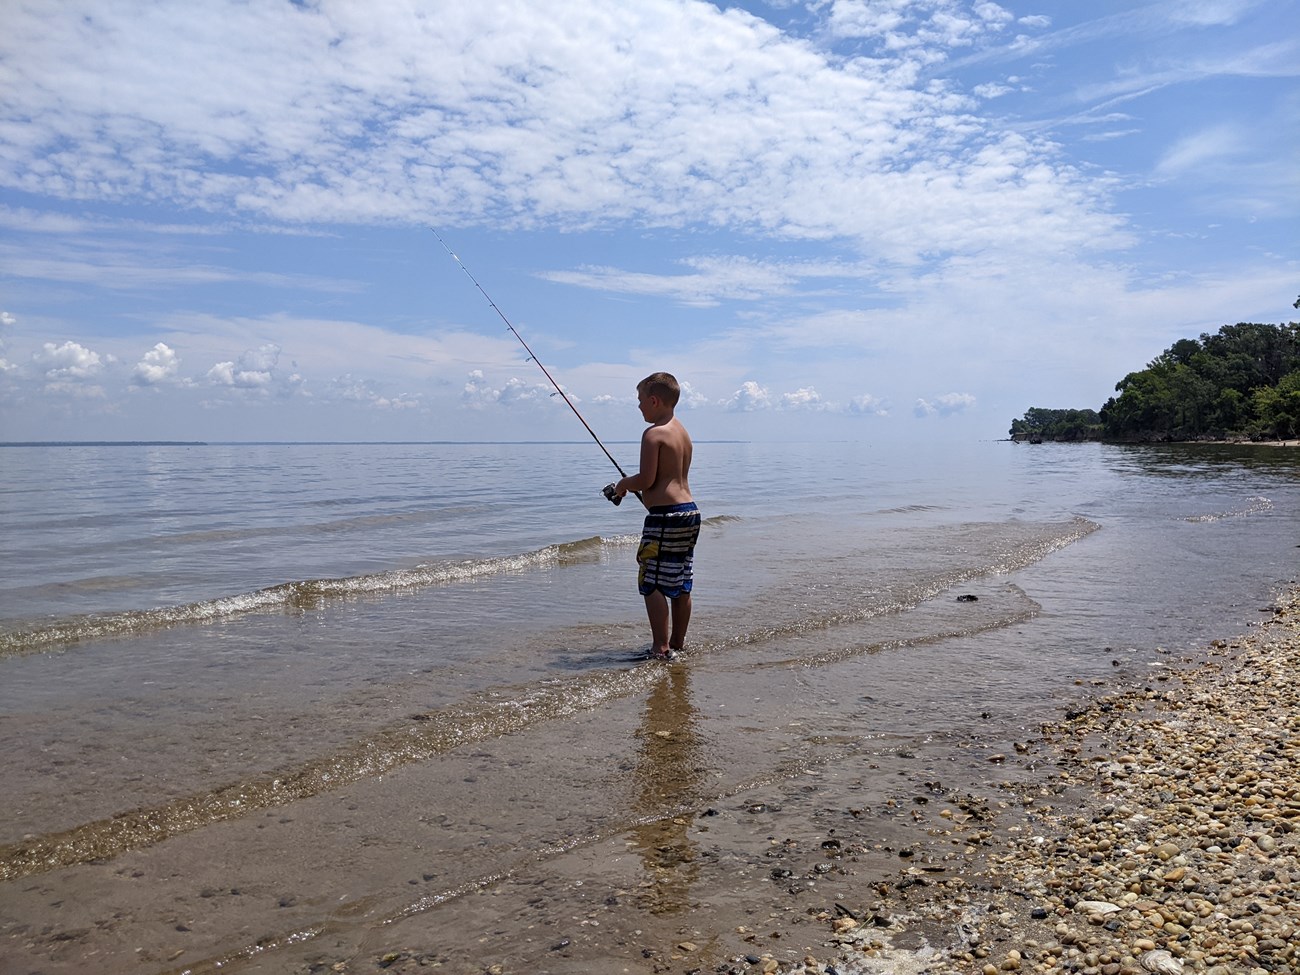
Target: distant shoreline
[1172, 443]
[104, 443]
[1248, 443]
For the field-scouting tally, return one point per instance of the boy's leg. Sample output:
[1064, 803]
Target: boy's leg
[681, 620]
[656, 607]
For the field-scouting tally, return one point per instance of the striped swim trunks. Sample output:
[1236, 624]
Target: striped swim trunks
[667, 551]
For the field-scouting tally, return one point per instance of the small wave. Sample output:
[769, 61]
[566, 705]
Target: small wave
[1252, 506]
[589, 549]
[298, 595]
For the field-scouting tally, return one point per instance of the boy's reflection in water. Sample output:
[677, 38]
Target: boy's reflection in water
[668, 772]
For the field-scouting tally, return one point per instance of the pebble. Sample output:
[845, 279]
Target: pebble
[1162, 837]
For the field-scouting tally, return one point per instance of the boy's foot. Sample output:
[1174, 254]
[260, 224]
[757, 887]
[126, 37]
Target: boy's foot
[666, 655]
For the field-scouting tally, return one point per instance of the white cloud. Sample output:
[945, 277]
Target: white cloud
[71, 360]
[749, 397]
[64, 389]
[518, 391]
[824, 205]
[945, 405]
[225, 374]
[6, 321]
[869, 405]
[159, 365]
[255, 370]
[911, 24]
[806, 398]
[661, 113]
[1201, 148]
[713, 279]
[691, 397]
[365, 392]
[1210, 13]
[752, 397]
[479, 393]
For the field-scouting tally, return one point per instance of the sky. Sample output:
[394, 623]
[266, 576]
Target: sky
[830, 219]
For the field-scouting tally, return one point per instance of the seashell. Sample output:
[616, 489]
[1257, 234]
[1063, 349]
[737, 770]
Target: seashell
[1096, 907]
[1161, 962]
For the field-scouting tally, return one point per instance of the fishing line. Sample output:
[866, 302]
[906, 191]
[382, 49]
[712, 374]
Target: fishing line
[514, 331]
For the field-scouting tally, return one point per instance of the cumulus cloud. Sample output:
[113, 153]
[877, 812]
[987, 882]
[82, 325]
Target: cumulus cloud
[945, 405]
[748, 398]
[159, 365]
[806, 398]
[227, 374]
[691, 397]
[71, 360]
[866, 404]
[479, 393]
[904, 24]
[367, 393]
[256, 370]
[518, 391]
[752, 397]
[6, 321]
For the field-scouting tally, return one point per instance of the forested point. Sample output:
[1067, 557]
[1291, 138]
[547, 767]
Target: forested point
[1242, 383]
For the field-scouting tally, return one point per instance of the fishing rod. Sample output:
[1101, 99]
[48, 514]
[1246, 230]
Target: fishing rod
[609, 488]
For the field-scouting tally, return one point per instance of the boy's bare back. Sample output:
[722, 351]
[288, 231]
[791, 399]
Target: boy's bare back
[666, 450]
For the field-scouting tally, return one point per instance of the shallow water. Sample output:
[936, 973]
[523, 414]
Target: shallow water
[363, 683]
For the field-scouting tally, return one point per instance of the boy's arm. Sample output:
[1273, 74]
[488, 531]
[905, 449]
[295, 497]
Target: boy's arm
[644, 478]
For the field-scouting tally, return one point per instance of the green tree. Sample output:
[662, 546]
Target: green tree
[1243, 380]
[1057, 424]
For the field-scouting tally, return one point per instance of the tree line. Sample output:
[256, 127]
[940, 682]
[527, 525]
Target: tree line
[1243, 382]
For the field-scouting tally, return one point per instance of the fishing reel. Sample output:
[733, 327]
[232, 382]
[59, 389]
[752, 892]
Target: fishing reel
[608, 491]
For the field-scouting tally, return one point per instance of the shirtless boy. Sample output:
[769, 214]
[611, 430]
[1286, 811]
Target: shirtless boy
[672, 522]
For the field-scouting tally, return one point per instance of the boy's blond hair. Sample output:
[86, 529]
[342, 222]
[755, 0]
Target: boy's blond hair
[661, 384]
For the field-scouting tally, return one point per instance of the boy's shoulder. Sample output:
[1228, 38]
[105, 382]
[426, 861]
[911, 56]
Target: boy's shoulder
[668, 429]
